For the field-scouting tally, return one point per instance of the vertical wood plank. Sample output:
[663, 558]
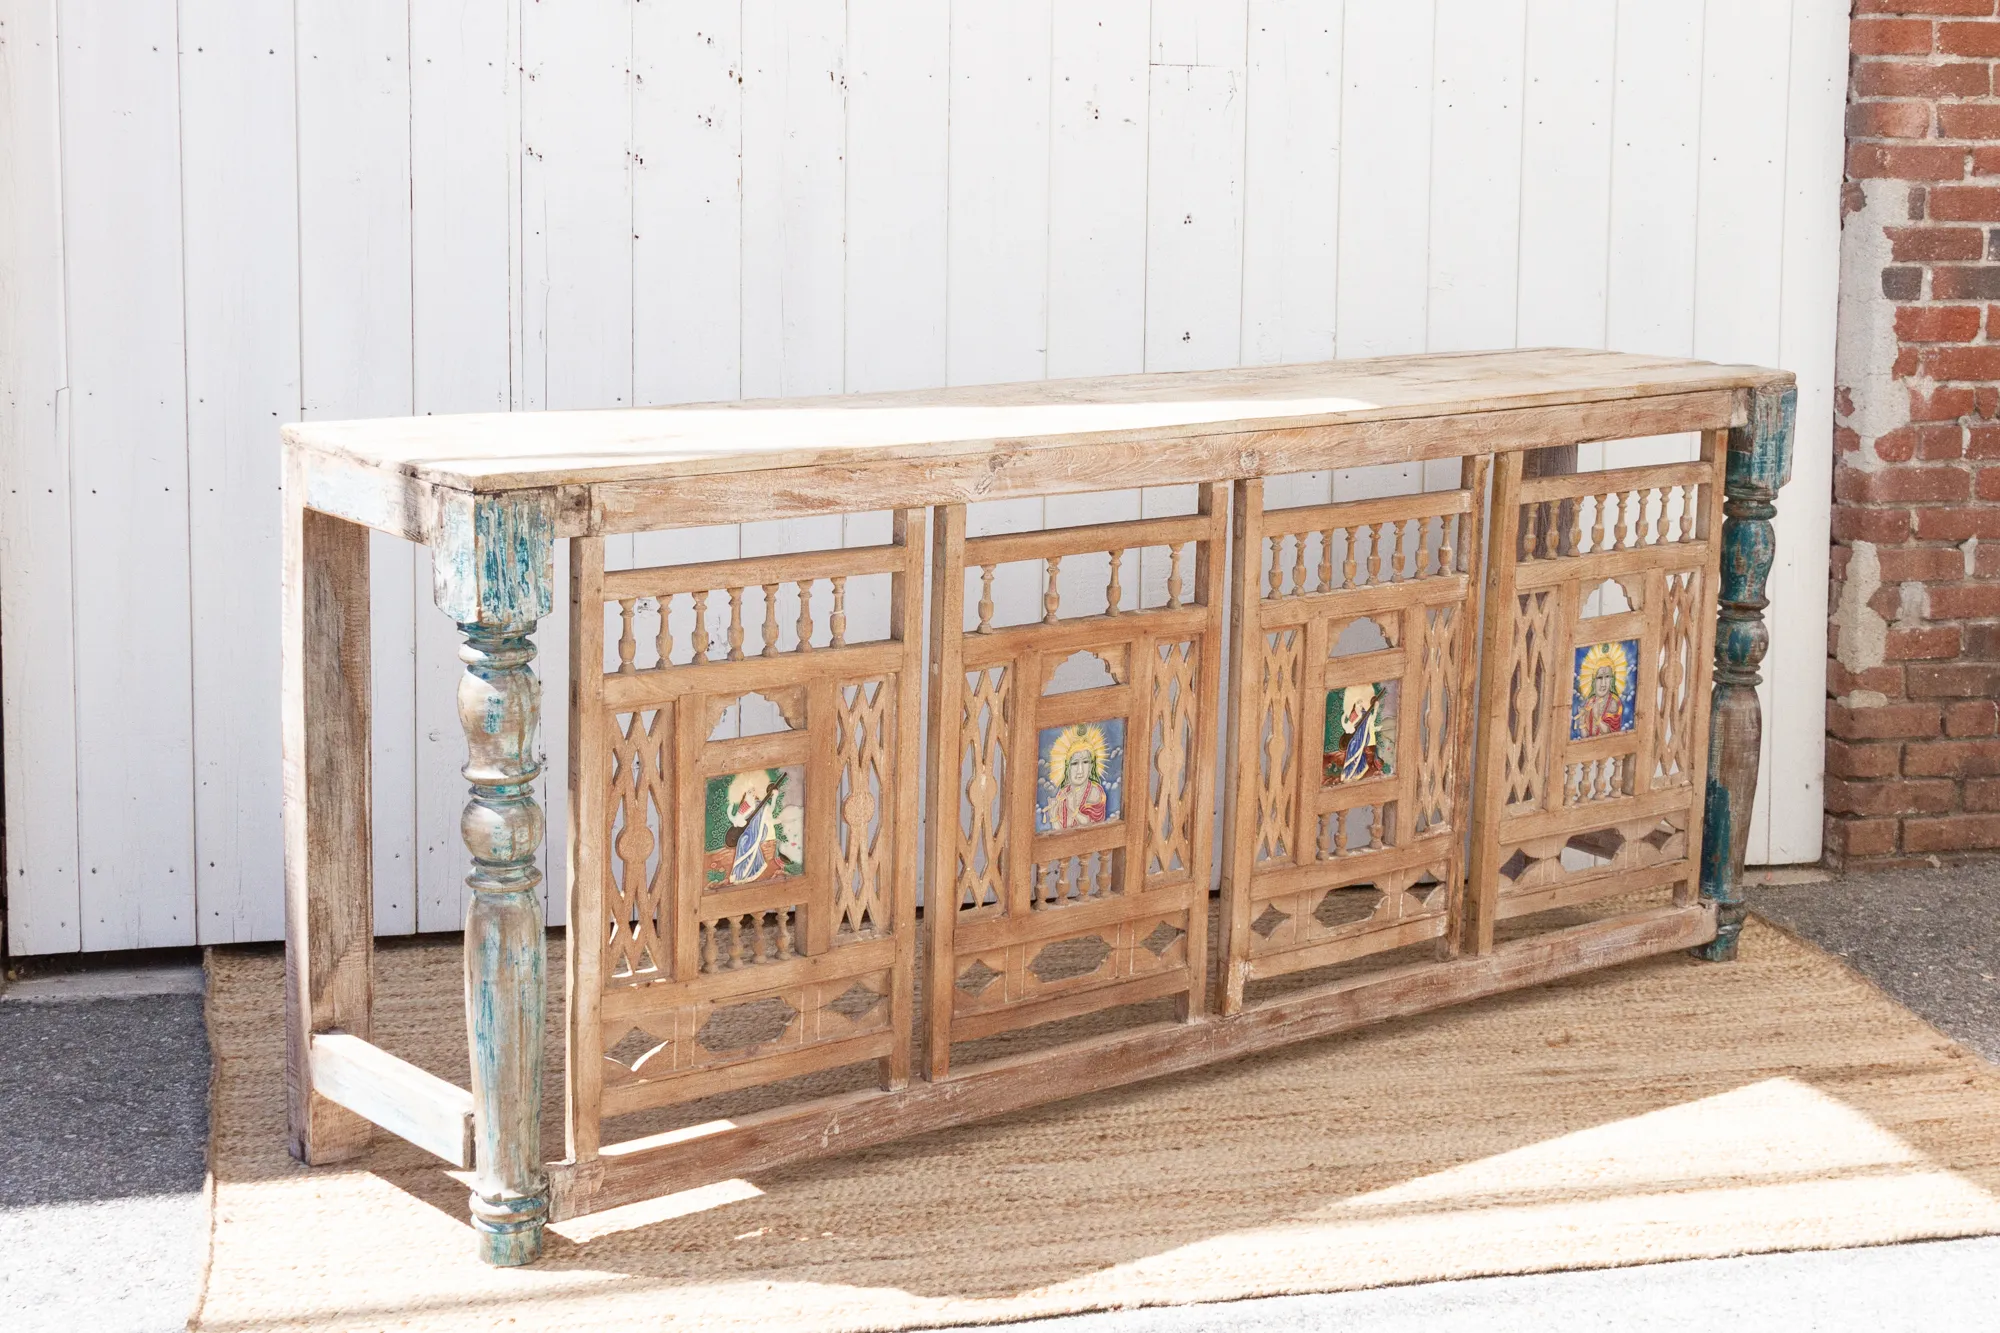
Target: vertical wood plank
[946, 682]
[1099, 78]
[912, 533]
[241, 279]
[823, 758]
[898, 151]
[1471, 925]
[576, 125]
[1385, 136]
[1210, 577]
[1246, 698]
[1793, 803]
[127, 376]
[1566, 173]
[1473, 555]
[355, 350]
[794, 197]
[1649, 297]
[1194, 185]
[1291, 180]
[587, 834]
[687, 201]
[998, 249]
[689, 808]
[1312, 728]
[1138, 761]
[1475, 176]
[1019, 796]
[329, 973]
[38, 666]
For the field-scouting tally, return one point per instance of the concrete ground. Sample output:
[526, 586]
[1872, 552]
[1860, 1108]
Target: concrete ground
[103, 1147]
[103, 1122]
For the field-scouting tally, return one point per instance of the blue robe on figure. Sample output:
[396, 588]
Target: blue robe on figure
[750, 861]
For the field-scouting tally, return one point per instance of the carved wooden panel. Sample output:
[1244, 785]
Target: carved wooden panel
[742, 907]
[1072, 758]
[1595, 691]
[1353, 638]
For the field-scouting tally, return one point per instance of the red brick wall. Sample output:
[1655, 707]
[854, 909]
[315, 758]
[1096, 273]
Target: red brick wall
[1913, 752]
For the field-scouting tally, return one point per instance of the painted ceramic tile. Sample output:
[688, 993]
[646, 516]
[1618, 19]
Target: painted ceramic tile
[1360, 733]
[1604, 690]
[1082, 775]
[755, 825]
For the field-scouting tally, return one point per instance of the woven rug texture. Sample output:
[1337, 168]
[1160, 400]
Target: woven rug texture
[1667, 1109]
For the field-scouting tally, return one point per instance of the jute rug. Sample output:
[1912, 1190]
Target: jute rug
[1664, 1110]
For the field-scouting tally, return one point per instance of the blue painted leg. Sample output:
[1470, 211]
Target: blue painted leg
[499, 702]
[494, 566]
[1759, 462]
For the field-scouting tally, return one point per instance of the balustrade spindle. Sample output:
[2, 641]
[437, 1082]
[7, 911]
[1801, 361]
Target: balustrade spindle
[986, 599]
[628, 646]
[770, 620]
[1115, 594]
[805, 587]
[837, 622]
[1375, 553]
[1298, 563]
[663, 638]
[1174, 576]
[1350, 537]
[706, 646]
[1051, 597]
[736, 624]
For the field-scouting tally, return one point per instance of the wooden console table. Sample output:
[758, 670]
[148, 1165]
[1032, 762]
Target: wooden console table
[743, 898]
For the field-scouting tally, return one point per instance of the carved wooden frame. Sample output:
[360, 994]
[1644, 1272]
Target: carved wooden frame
[1048, 925]
[490, 502]
[1297, 893]
[679, 986]
[1630, 798]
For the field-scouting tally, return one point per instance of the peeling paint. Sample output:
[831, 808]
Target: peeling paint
[1860, 631]
[1869, 400]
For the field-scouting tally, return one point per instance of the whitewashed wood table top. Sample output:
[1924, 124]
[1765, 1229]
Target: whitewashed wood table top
[512, 450]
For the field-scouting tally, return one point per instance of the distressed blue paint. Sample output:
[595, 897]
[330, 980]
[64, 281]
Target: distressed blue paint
[499, 706]
[1759, 462]
[493, 558]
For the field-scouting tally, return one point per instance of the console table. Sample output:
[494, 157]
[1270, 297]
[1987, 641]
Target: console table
[1420, 716]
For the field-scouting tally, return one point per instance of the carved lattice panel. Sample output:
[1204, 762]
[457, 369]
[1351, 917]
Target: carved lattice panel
[979, 866]
[640, 804]
[1597, 704]
[742, 902]
[1071, 759]
[1348, 802]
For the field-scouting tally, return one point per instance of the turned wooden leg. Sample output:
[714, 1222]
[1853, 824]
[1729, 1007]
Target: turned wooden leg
[329, 926]
[494, 570]
[499, 704]
[1759, 462]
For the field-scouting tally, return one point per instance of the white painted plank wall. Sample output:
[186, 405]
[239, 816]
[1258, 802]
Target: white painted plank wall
[128, 496]
[391, 206]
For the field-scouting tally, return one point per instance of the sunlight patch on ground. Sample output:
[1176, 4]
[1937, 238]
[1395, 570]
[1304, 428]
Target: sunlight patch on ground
[686, 1203]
